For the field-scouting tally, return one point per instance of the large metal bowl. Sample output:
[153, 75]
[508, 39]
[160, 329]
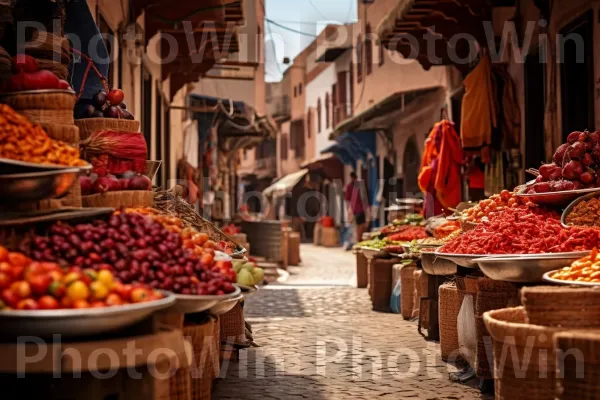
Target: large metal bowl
[569, 208]
[463, 260]
[190, 304]
[15, 167]
[435, 265]
[36, 186]
[528, 268]
[555, 198]
[76, 323]
[226, 305]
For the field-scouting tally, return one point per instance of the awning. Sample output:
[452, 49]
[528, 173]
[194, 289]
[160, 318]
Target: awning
[388, 111]
[323, 157]
[353, 146]
[285, 184]
[341, 153]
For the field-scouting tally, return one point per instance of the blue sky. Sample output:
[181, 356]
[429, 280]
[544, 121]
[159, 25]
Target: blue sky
[308, 16]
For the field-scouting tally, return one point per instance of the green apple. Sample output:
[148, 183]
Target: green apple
[258, 275]
[245, 278]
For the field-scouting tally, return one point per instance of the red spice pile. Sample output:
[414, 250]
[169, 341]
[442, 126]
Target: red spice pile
[408, 234]
[523, 230]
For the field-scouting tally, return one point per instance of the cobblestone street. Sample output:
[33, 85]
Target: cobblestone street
[319, 339]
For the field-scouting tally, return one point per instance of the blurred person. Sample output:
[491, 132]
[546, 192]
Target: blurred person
[355, 195]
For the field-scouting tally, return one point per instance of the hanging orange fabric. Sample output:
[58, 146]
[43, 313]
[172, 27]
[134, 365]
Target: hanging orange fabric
[478, 106]
[440, 165]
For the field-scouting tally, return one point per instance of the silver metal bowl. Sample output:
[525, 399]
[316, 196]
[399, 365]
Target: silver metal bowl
[555, 198]
[36, 186]
[436, 265]
[75, 323]
[463, 260]
[569, 208]
[372, 253]
[14, 166]
[226, 305]
[547, 278]
[190, 304]
[529, 268]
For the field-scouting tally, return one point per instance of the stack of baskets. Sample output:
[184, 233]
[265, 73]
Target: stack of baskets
[448, 313]
[530, 344]
[54, 112]
[380, 283]
[407, 283]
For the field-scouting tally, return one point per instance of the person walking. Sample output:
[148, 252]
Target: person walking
[355, 195]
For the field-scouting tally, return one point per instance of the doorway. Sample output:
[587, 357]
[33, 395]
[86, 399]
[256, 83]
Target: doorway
[411, 162]
[535, 108]
[577, 75]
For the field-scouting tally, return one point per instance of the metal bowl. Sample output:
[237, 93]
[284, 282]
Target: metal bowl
[547, 278]
[528, 268]
[75, 323]
[16, 167]
[567, 211]
[555, 198]
[36, 186]
[435, 265]
[248, 291]
[373, 253]
[463, 260]
[190, 304]
[226, 305]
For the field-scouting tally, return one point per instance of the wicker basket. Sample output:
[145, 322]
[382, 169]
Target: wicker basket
[52, 107]
[417, 292]
[448, 313]
[524, 361]
[578, 377]
[233, 326]
[362, 270]
[5, 64]
[380, 275]
[491, 295]
[407, 294]
[205, 364]
[67, 133]
[567, 307]
[424, 305]
[125, 198]
[88, 126]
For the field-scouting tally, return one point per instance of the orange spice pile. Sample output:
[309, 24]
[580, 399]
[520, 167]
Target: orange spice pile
[23, 141]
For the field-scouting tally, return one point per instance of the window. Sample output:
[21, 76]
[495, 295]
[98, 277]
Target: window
[158, 103]
[245, 154]
[284, 147]
[300, 89]
[334, 104]
[369, 50]
[319, 114]
[295, 91]
[359, 59]
[327, 108]
[309, 123]
[381, 53]
[297, 137]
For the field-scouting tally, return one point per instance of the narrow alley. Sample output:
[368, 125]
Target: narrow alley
[319, 339]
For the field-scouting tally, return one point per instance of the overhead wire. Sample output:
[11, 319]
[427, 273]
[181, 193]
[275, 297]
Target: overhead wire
[287, 28]
[316, 9]
[273, 48]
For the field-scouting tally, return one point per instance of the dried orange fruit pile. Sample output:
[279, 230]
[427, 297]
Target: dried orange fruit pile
[586, 269]
[23, 141]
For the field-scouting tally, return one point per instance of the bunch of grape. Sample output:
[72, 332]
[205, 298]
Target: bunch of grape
[109, 105]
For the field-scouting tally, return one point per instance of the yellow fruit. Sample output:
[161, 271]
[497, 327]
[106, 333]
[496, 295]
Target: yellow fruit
[99, 290]
[78, 291]
[106, 277]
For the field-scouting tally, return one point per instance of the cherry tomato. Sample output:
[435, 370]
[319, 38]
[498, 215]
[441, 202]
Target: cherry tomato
[27, 304]
[5, 280]
[66, 302]
[10, 298]
[21, 289]
[97, 304]
[57, 289]
[39, 284]
[72, 276]
[138, 295]
[55, 275]
[106, 277]
[78, 291]
[3, 253]
[122, 290]
[207, 259]
[99, 290]
[48, 303]
[90, 274]
[113, 299]
[81, 304]
[18, 259]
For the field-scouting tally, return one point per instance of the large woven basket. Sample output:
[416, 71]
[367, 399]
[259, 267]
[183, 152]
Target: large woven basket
[380, 275]
[88, 126]
[43, 107]
[424, 305]
[448, 313]
[570, 307]
[417, 293]
[68, 133]
[407, 293]
[524, 360]
[125, 198]
[233, 326]
[491, 295]
[579, 365]
[362, 270]
[205, 364]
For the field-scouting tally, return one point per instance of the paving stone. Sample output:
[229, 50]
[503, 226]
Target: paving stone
[322, 338]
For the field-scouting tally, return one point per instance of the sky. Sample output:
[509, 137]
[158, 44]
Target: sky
[307, 16]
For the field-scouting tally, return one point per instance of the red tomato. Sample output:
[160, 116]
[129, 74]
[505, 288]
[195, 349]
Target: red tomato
[122, 290]
[39, 284]
[66, 302]
[35, 268]
[21, 289]
[139, 295]
[81, 304]
[18, 259]
[48, 303]
[116, 97]
[200, 239]
[207, 259]
[57, 289]
[10, 298]
[27, 304]
[222, 264]
[113, 299]
[210, 245]
[3, 253]
[55, 275]
[97, 304]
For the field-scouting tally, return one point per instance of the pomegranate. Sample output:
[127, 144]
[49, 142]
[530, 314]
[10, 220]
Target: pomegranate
[572, 170]
[86, 185]
[140, 182]
[583, 136]
[595, 137]
[573, 137]
[546, 170]
[577, 150]
[102, 185]
[588, 177]
[559, 154]
[587, 159]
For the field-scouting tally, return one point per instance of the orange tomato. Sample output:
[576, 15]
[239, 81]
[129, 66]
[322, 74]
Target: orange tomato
[78, 291]
[209, 244]
[113, 299]
[122, 290]
[201, 239]
[55, 275]
[21, 289]
[66, 302]
[97, 304]
[3, 253]
[139, 295]
[10, 298]
[18, 259]
[5, 280]
[81, 304]
[27, 304]
[72, 277]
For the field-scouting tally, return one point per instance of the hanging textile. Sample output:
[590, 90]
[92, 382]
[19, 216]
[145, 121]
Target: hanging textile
[478, 108]
[440, 176]
[509, 112]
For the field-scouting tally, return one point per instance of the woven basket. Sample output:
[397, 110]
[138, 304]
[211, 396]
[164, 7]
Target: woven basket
[417, 293]
[380, 275]
[448, 313]
[424, 292]
[362, 270]
[88, 126]
[180, 385]
[578, 377]
[491, 295]
[67, 133]
[233, 326]
[5, 64]
[125, 198]
[206, 356]
[54, 107]
[524, 361]
[407, 294]
[567, 307]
